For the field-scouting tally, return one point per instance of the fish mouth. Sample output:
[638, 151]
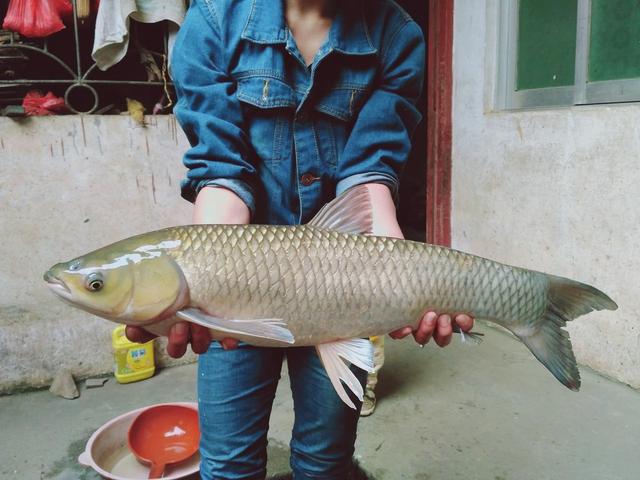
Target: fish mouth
[57, 286]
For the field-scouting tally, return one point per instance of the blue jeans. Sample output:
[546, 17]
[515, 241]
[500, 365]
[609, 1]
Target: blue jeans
[236, 389]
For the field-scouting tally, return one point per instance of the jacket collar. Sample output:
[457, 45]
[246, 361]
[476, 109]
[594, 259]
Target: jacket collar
[348, 34]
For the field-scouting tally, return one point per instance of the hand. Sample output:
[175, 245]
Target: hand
[180, 335]
[440, 327]
[213, 205]
[385, 223]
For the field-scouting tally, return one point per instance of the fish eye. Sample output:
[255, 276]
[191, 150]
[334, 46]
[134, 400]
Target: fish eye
[94, 282]
[75, 265]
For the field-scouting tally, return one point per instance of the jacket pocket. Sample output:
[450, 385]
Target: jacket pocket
[268, 105]
[265, 92]
[343, 103]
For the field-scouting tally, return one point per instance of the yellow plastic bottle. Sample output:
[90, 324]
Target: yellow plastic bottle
[133, 361]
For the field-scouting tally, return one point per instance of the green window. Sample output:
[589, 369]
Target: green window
[614, 50]
[569, 52]
[546, 43]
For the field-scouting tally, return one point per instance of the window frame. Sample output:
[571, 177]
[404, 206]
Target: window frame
[582, 92]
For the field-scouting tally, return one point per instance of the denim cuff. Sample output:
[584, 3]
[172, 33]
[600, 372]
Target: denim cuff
[369, 177]
[240, 188]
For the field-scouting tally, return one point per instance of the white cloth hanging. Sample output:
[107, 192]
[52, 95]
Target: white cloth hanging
[112, 25]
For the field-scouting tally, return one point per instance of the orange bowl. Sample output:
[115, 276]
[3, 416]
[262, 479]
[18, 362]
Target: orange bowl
[164, 434]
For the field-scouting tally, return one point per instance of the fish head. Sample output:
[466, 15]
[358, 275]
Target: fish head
[132, 284]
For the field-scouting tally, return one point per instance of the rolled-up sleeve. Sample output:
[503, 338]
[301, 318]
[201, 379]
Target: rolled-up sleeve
[380, 141]
[209, 112]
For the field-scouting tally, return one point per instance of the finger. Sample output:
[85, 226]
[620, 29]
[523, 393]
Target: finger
[229, 343]
[425, 329]
[464, 321]
[443, 332]
[401, 332]
[200, 338]
[178, 339]
[137, 334]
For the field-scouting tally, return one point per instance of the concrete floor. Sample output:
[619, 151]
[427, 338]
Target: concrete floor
[464, 412]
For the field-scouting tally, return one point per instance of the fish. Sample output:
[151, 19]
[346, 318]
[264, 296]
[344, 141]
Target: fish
[329, 283]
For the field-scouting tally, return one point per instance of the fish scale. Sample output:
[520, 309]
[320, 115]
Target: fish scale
[325, 284]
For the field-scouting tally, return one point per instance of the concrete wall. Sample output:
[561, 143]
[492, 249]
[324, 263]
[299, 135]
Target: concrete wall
[69, 185]
[553, 190]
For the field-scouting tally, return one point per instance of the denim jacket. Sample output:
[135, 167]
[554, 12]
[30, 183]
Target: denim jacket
[284, 136]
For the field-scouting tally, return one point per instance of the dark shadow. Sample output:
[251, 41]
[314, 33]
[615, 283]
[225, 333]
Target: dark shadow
[358, 473]
[400, 369]
[412, 206]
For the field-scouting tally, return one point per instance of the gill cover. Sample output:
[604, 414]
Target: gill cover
[157, 288]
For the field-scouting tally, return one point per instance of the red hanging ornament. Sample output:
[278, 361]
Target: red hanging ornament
[34, 103]
[36, 18]
[65, 9]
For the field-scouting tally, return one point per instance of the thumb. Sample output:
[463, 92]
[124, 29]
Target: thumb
[137, 334]
[229, 343]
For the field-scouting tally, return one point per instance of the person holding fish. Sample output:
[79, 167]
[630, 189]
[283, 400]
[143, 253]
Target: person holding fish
[286, 105]
[299, 114]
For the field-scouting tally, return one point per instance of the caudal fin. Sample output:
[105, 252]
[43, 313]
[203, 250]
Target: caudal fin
[550, 344]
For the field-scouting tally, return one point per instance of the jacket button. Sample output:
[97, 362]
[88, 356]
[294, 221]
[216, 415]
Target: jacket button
[307, 179]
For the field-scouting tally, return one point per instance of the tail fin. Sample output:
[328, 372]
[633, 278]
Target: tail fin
[550, 344]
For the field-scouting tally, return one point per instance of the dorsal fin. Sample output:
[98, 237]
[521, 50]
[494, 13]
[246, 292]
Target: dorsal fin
[348, 213]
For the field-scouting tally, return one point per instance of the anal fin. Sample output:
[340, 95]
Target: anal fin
[269, 328]
[334, 355]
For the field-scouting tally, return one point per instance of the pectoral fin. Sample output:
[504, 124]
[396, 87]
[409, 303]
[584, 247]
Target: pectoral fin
[356, 351]
[269, 328]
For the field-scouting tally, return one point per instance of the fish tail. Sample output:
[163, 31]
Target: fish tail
[549, 343]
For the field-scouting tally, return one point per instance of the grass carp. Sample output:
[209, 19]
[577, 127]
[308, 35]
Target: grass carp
[326, 283]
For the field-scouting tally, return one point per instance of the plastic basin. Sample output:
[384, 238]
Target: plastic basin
[107, 452]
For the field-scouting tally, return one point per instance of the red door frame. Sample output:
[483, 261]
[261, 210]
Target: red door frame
[438, 122]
